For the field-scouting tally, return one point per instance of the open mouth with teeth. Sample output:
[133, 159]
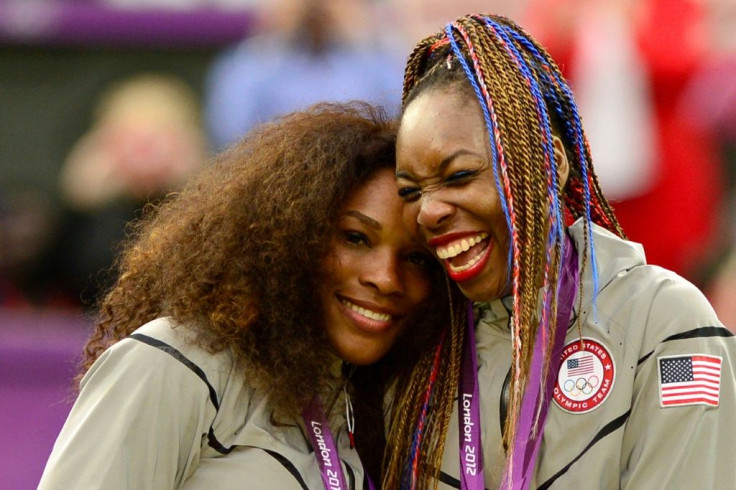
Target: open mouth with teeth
[465, 257]
[371, 315]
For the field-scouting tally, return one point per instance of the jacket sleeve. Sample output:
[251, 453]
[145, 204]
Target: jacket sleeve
[138, 423]
[686, 445]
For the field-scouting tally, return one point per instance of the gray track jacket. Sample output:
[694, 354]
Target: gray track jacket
[157, 413]
[616, 422]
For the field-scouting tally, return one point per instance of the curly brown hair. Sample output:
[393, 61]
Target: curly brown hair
[236, 253]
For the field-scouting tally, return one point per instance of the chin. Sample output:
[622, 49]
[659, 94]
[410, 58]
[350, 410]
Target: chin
[484, 288]
[482, 295]
[477, 292]
[362, 356]
[361, 359]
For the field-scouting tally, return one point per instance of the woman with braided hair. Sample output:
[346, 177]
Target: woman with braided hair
[249, 310]
[581, 366]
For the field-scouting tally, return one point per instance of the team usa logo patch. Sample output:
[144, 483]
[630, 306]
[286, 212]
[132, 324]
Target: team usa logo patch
[692, 379]
[586, 376]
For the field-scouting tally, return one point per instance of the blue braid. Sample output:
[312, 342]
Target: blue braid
[414, 451]
[557, 230]
[470, 75]
[576, 134]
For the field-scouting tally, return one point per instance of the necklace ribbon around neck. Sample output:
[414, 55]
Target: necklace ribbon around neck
[471, 451]
[325, 450]
[320, 435]
[534, 403]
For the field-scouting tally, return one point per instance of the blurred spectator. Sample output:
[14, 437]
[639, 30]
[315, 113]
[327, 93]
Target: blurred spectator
[614, 94]
[680, 185]
[720, 289]
[146, 140]
[24, 233]
[181, 4]
[304, 51]
[710, 103]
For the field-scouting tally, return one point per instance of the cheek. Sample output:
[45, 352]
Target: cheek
[415, 232]
[500, 255]
[501, 230]
[338, 263]
[409, 213]
[487, 204]
[419, 286]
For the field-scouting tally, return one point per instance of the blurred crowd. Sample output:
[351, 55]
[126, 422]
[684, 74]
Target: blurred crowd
[655, 81]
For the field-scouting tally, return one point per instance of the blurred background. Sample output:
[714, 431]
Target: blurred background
[106, 105]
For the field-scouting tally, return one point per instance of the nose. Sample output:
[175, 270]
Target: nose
[384, 274]
[433, 211]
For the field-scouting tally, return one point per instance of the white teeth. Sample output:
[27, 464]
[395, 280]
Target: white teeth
[470, 263]
[373, 315]
[455, 249]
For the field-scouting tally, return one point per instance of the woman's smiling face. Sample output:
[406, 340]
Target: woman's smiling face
[377, 277]
[450, 199]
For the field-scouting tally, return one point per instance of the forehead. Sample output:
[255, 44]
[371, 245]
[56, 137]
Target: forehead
[437, 123]
[376, 196]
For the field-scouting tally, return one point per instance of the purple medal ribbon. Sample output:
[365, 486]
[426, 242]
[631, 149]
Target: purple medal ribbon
[325, 451]
[471, 451]
[526, 444]
[318, 429]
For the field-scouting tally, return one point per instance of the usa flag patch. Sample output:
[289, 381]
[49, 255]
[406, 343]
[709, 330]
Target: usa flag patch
[694, 379]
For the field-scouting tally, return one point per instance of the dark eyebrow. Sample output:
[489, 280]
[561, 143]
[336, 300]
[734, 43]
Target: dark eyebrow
[365, 219]
[443, 164]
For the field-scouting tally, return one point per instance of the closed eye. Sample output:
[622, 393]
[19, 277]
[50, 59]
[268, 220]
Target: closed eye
[461, 176]
[409, 193]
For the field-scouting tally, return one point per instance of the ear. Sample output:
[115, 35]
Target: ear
[563, 166]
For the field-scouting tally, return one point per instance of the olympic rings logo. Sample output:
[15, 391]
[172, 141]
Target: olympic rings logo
[586, 376]
[581, 385]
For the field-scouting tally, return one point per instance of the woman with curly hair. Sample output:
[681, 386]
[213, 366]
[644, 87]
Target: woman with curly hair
[253, 311]
[582, 366]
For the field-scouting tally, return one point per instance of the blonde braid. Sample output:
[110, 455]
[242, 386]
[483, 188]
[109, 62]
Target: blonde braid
[506, 66]
[515, 112]
[407, 406]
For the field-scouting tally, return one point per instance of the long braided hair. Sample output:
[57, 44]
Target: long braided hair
[525, 101]
[422, 406]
